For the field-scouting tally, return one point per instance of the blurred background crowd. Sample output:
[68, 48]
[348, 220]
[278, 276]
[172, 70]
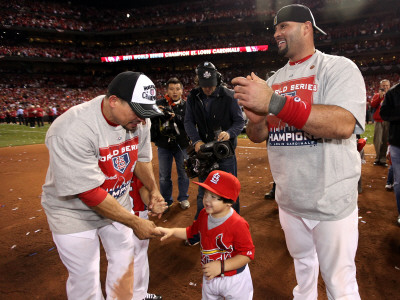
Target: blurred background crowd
[50, 50]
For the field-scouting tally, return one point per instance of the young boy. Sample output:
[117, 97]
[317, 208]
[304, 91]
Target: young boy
[225, 241]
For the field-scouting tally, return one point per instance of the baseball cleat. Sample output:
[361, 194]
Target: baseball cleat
[185, 204]
[153, 297]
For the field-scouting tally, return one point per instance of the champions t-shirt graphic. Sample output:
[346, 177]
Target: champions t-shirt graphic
[280, 133]
[117, 163]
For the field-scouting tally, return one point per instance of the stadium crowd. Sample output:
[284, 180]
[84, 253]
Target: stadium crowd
[75, 17]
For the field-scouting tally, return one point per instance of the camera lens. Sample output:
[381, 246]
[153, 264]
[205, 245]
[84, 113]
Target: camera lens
[221, 151]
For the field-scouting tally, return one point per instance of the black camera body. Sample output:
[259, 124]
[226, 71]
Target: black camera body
[206, 160]
[167, 126]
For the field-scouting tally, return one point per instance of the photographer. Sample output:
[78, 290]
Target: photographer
[381, 130]
[212, 109]
[168, 134]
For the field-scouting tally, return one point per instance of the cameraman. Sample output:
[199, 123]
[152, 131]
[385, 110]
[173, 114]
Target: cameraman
[210, 108]
[168, 134]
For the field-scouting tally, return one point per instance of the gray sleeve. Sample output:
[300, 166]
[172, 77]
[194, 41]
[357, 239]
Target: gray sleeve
[145, 153]
[344, 86]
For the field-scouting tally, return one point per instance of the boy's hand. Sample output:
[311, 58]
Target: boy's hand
[212, 269]
[166, 232]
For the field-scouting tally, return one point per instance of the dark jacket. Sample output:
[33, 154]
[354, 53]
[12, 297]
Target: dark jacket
[167, 133]
[225, 114]
[390, 111]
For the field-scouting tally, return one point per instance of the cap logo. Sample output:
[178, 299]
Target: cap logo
[215, 178]
[206, 74]
[275, 20]
[149, 92]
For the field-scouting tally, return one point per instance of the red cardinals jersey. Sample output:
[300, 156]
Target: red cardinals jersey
[224, 241]
[137, 201]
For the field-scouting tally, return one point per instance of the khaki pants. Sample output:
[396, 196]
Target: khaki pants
[381, 135]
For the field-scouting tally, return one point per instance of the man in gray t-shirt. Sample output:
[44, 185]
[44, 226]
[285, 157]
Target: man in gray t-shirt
[95, 148]
[310, 112]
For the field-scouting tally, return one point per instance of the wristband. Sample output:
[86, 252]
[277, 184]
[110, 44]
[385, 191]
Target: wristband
[222, 268]
[295, 112]
[276, 104]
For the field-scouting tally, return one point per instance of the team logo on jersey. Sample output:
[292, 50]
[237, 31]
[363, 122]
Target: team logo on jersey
[121, 162]
[221, 251]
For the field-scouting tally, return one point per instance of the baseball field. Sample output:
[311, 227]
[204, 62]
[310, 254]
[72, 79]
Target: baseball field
[31, 269]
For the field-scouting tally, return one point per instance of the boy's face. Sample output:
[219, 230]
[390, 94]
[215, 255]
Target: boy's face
[214, 205]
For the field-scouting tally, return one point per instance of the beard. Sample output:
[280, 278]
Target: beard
[283, 51]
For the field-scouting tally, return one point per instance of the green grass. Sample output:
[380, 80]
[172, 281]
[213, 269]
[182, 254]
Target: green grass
[369, 133]
[18, 135]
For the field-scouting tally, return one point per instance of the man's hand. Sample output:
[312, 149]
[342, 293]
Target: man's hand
[223, 136]
[157, 204]
[253, 93]
[145, 229]
[197, 146]
[212, 269]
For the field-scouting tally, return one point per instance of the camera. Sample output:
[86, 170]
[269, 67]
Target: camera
[206, 160]
[167, 125]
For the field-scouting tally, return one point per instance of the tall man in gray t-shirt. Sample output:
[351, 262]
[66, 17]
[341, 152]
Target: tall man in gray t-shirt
[310, 111]
[95, 148]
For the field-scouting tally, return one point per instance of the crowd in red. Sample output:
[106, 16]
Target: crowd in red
[26, 92]
[56, 93]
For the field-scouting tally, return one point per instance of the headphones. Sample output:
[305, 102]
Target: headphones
[211, 68]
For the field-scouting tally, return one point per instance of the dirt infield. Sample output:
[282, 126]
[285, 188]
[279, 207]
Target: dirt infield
[31, 269]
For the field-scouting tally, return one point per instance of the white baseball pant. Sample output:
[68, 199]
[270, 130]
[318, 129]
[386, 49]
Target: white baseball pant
[236, 287]
[328, 245]
[80, 253]
[141, 264]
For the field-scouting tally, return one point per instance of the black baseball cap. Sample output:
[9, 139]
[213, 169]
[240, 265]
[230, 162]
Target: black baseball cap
[138, 90]
[207, 74]
[296, 13]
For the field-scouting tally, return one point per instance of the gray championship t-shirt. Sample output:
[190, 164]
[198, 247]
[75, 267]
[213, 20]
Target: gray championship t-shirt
[316, 178]
[87, 152]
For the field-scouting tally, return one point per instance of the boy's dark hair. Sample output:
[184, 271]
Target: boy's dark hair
[226, 200]
[173, 80]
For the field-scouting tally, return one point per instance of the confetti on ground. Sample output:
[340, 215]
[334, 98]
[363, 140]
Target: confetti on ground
[363, 222]
[51, 249]
[13, 246]
[15, 208]
[192, 283]
[32, 254]
[31, 218]
[368, 212]
[37, 230]
[19, 198]
[28, 233]
[397, 268]
[39, 210]
[11, 190]
[165, 220]
[360, 217]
